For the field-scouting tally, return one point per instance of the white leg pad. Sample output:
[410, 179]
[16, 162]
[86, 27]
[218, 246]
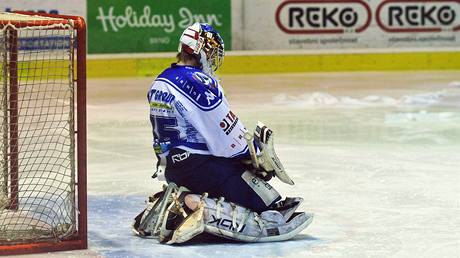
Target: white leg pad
[228, 220]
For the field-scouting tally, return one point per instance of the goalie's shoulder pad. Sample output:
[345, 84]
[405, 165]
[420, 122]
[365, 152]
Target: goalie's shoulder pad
[199, 88]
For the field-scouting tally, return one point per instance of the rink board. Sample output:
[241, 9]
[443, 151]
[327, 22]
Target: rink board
[150, 65]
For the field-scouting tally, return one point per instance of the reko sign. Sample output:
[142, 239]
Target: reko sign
[327, 16]
[418, 15]
[336, 16]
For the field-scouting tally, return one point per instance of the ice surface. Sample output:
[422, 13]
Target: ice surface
[111, 237]
[376, 156]
[323, 99]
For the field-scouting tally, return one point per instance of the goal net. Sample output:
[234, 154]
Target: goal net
[40, 199]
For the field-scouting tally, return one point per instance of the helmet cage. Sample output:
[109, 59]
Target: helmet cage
[214, 49]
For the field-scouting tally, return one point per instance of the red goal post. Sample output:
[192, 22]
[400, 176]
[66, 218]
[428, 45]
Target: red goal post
[43, 196]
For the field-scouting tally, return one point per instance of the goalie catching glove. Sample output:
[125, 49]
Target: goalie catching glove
[266, 162]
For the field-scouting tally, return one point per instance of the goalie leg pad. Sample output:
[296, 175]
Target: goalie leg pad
[161, 207]
[218, 217]
[144, 221]
[228, 220]
[192, 225]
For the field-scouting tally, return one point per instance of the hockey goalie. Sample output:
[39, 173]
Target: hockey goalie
[216, 171]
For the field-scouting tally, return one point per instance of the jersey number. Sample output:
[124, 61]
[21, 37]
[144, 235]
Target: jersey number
[164, 128]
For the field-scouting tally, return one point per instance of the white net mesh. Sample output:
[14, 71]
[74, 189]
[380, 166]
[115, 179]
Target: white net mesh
[37, 167]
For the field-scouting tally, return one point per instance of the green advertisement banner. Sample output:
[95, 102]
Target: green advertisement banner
[136, 26]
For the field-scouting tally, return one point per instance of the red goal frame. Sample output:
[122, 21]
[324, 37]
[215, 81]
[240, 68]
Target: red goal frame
[79, 239]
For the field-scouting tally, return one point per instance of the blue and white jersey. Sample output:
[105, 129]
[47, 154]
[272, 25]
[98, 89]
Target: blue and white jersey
[188, 110]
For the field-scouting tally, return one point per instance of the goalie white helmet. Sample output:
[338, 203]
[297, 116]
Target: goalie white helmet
[203, 40]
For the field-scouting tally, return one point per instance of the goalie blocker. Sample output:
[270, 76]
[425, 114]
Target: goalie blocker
[176, 216]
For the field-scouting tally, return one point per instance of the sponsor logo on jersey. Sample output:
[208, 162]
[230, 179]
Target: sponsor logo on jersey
[325, 16]
[180, 157]
[159, 105]
[161, 96]
[229, 122]
[226, 223]
[160, 101]
[418, 15]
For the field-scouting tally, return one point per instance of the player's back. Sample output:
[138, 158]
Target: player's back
[188, 109]
[176, 95]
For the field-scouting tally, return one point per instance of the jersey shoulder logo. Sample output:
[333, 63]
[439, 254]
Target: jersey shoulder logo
[199, 88]
[205, 80]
